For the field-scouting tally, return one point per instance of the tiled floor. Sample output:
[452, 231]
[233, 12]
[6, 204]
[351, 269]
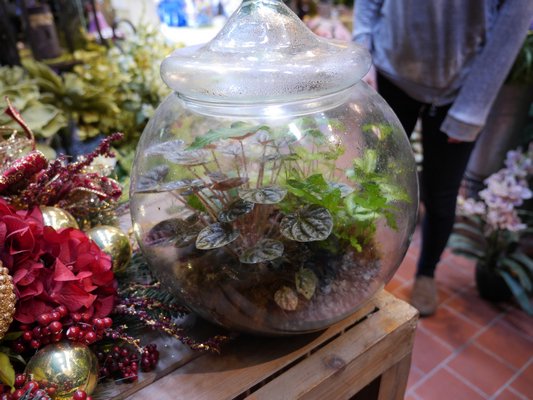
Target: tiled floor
[470, 349]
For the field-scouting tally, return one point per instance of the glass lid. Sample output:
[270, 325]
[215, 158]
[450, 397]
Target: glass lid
[264, 54]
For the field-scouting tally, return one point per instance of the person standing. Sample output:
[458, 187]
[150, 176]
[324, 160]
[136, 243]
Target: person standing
[443, 62]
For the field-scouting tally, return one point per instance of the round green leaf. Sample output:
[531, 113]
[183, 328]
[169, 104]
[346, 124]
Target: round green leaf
[286, 298]
[309, 224]
[306, 282]
[234, 210]
[216, 235]
[264, 250]
[263, 195]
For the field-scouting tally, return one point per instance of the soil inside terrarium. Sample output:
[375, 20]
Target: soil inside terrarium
[263, 297]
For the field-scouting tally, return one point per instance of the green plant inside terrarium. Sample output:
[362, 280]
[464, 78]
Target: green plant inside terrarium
[278, 205]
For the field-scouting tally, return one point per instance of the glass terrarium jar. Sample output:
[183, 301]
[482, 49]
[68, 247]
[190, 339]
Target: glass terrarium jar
[274, 191]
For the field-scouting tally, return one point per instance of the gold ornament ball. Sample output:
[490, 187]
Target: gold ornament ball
[113, 242]
[58, 218]
[70, 366]
[7, 300]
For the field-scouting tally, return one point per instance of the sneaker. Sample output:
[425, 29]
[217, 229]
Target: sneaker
[424, 296]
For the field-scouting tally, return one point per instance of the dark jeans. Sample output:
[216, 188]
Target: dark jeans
[442, 170]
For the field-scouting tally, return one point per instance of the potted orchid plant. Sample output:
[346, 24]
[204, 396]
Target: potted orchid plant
[490, 230]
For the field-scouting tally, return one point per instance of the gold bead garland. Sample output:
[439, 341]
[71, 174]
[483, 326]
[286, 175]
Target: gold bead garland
[7, 300]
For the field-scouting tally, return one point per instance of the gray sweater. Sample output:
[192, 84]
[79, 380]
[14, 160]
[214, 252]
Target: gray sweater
[445, 51]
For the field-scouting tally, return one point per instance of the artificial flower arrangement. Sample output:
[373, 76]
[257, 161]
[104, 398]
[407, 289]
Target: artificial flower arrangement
[60, 293]
[490, 231]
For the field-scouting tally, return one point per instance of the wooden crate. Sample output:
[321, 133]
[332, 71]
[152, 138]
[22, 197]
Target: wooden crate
[367, 355]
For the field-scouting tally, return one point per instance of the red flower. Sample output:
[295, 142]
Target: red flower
[52, 268]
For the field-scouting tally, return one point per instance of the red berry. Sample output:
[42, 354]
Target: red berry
[37, 332]
[55, 316]
[85, 317]
[51, 391]
[73, 332]
[24, 327]
[76, 317]
[27, 336]
[62, 310]
[90, 337]
[18, 347]
[98, 323]
[20, 380]
[108, 322]
[55, 327]
[35, 344]
[17, 394]
[44, 319]
[79, 395]
[57, 337]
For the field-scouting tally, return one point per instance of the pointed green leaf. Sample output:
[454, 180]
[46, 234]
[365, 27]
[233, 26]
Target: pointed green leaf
[7, 372]
[264, 250]
[238, 130]
[524, 260]
[518, 291]
[518, 270]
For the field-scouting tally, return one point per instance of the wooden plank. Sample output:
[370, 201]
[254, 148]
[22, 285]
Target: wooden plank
[345, 366]
[244, 363]
[394, 380]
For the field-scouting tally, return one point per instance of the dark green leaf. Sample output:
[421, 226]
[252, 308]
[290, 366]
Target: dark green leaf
[238, 130]
[306, 282]
[263, 195]
[472, 229]
[216, 235]
[264, 250]
[12, 335]
[518, 270]
[524, 260]
[173, 232]
[311, 223]
[150, 181]
[518, 292]
[234, 210]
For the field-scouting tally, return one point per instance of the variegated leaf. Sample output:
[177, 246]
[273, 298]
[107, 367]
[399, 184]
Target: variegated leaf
[264, 250]
[175, 232]
[263, 195]
[309, 224]
[216, 235]
[188, 157]
[234, 210]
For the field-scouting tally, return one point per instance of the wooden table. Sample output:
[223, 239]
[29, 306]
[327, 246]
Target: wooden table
[365, 356]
